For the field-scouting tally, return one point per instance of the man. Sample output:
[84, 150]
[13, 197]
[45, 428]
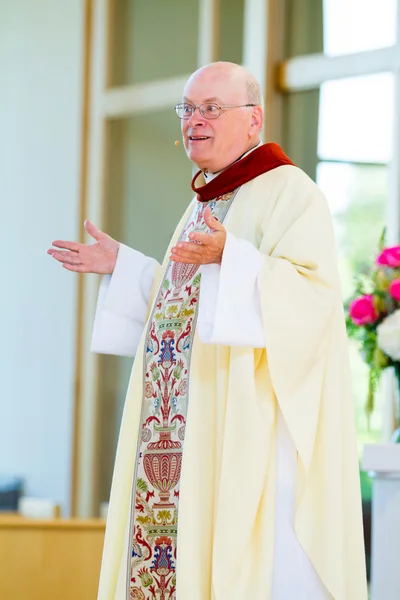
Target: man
[236, 473]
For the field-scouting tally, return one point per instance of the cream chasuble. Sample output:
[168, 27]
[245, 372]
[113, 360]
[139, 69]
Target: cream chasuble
[198, 435]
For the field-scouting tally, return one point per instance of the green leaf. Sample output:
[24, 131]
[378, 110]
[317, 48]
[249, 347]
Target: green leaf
[373, 380]
[196, 280]
[382, 241]
[141, 485]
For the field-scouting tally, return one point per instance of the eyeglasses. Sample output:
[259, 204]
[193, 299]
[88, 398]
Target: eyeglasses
[208, 111]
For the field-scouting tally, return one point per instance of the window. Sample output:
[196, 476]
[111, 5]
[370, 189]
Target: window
[354, 148]
[345, 117]
[357, 25]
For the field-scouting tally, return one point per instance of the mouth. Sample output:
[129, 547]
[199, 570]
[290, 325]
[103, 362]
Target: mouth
[198, 138]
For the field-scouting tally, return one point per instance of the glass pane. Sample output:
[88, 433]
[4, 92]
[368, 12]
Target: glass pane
[152, 40]
[358, 25]
[148, 189]
[339, 26]
[356, 119]
[357, 195]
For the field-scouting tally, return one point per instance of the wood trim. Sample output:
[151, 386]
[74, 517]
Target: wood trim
[88, 430]
[87, 54]
[85, 456]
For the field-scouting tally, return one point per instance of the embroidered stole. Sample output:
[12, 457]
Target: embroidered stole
[152, 556]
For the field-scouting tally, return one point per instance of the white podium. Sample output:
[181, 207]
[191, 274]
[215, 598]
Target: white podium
[382, 461]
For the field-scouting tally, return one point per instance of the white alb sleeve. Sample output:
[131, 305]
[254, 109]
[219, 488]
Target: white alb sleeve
[229, 305]
[122, 304]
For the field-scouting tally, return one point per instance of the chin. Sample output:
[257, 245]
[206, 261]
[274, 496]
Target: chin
[201, 162]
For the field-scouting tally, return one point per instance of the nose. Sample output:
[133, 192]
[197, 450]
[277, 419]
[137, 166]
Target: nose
[196, 119]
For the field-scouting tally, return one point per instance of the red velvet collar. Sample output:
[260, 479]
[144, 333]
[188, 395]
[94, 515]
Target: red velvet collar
[259, 161]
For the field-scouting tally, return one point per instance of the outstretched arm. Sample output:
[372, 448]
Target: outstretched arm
[99, 257]
[124, 290]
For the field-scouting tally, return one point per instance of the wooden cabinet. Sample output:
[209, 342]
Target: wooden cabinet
[55, 559]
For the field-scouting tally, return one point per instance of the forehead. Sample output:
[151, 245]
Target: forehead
[213, 87]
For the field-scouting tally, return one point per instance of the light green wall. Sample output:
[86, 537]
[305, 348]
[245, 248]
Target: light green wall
[231, 30]
[300, 129]
[304, 24]
[153, 39]
[149, 181]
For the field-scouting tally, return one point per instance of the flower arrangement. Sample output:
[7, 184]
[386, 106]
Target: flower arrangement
[374, 317]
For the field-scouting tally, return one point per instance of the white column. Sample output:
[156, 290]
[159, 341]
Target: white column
[263, 49]
[255, 39]
[208, 32]
[383, 463]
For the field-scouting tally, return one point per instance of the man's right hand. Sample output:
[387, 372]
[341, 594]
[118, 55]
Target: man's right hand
[99, 257]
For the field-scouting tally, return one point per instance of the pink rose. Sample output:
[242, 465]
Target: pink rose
[362, 310]
[394, 289]
[390, 257]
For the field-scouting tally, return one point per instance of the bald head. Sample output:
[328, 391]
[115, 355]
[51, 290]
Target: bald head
[213, 144]
[237, 78]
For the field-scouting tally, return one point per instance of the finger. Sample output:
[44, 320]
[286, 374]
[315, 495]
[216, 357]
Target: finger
[53, 251]
[187, 261]
[211, 221]
[205, 239]
[70, 258]
[92, 230]
[192, 259]
[74, 246]
[188, 248]
[76, 268]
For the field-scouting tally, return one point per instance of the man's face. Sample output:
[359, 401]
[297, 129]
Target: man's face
[214, 144]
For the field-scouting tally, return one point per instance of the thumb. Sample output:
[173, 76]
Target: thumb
[211, 221]
[92, 230]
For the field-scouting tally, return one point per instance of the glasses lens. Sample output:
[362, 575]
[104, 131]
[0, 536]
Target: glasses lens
[184, 111]
[210, 111]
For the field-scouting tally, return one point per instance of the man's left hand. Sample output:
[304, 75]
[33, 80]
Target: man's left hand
[208, 248]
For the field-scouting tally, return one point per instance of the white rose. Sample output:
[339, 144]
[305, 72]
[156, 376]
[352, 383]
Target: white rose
[389, 335]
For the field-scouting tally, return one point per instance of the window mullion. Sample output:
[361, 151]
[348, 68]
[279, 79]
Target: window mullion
[309, 72]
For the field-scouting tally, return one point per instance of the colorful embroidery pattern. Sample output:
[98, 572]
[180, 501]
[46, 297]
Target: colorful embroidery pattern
[168, 344]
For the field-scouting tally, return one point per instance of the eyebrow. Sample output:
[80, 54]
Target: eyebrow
[213, 99]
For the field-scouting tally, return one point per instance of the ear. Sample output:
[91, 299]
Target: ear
[257, 119]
